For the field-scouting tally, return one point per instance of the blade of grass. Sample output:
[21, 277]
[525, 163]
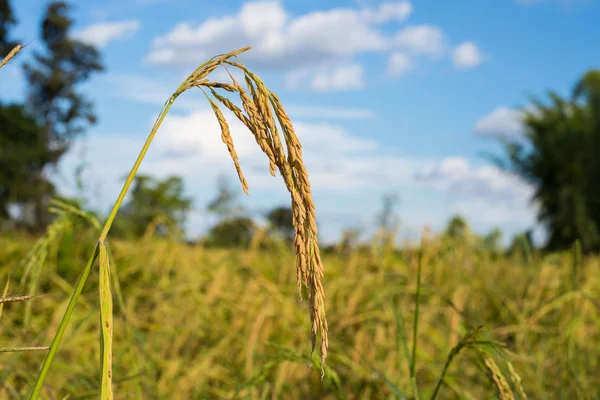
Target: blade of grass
[4, 293]
[576, 255]
[392, 386]
[413, 362]
[130, 336]
[106, 319]
[401, 339]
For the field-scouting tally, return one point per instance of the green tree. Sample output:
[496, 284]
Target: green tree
[226, 203]
[493, 241]
[153, 201]
[53, 78]
[387, 218]
[522, 243]
[23, 154]
[234, 228]
[7, 21]
[457, 228]
[559, 155]
[281, 219]
[231, 232]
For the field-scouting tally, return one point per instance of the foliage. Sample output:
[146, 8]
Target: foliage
[457, 228]
[387, 218]
[226, 203]
[55, 75]
[559, 157]
[232, 232]
[23, 154]
[281, 219]
[493, 241]
[150, 201]
[7, 21]
[233, 228]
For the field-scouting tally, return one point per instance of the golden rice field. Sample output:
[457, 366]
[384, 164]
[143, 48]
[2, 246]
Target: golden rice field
[197, 323]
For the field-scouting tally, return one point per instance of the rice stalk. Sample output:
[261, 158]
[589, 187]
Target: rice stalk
[261, 124]
[516, 379]
[10, 55]
[500, 383]
[20, 349]
[471, 339]
[15, 299]
[5, 299]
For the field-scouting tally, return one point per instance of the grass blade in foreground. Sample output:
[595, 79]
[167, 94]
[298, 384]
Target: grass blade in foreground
[262, 112]
[413, 361]
[106, 321]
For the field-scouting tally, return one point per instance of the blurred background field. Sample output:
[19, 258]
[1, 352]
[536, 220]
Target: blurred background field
[198, 322]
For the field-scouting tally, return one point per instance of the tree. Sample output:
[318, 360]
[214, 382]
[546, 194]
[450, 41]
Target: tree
[153, 201]
[7, 21]
[53, 77]
[493, 241]
[457, 228]
[281, 219]
[23, 154]
[522, 243]
[233, 232]
[234, 228]
[559, 155]
[57, 72]
[387, 218]
[226, 204]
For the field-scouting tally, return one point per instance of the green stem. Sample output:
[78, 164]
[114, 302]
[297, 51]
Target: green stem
[86, 272]
[442, 376]
[413, 363]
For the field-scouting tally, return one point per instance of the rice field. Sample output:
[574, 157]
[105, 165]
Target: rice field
[196, 323]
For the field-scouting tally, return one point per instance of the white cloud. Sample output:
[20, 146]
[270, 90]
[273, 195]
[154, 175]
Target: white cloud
[467, 55]
[422, 39]
[101, 33]
[502, 121]
[458, 175]
[387, 12]
[302, 45]
[398, 64]
[491, 214]
[279, 40]
[345, 77]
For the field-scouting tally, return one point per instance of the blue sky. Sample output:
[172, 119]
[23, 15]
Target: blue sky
[386, 96]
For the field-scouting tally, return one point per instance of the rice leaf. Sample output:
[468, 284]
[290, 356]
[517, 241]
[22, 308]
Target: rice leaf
[106, 319]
